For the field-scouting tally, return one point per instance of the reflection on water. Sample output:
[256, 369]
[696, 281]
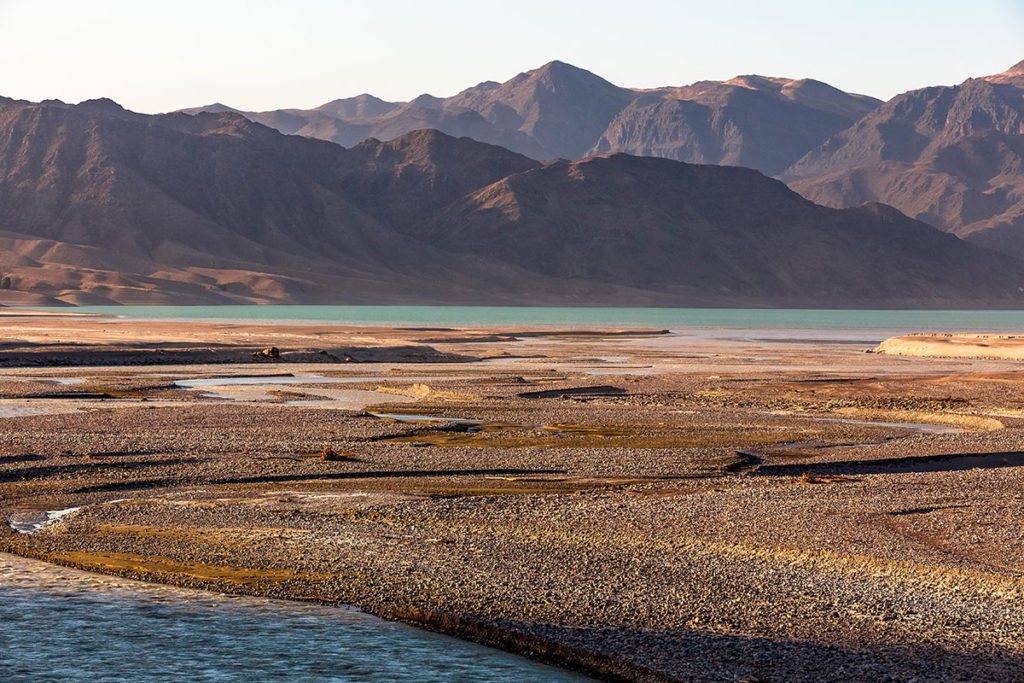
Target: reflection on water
[63, 625]
[624, 371]
[920, 426]
[257, 380]
[258, 388]
[411, 417]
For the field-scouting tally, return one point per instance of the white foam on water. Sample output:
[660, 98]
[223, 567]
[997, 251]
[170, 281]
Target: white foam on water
[30, 523]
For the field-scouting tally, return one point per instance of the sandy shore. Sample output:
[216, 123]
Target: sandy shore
[635, 506]
[1003, 347]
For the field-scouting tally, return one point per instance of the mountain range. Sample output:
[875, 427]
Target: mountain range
[950, 156]
[561, 111]
[100, 205]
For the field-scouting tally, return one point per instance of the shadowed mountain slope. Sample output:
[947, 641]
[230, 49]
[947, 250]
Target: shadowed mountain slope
[99, 204]
[762, 123]
[707, 233]
[951, 156]
[102, 204]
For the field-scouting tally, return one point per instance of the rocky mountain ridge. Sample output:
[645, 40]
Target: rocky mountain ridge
[947, 155]
[952, 156]
[561, 111]
[100, 205]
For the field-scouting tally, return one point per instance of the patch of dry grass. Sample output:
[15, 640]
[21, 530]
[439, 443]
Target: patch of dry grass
[108, 562]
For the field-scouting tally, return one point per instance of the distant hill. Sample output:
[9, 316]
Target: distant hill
[561, 111]
[754, 121]
[98, 204]
[952, 156]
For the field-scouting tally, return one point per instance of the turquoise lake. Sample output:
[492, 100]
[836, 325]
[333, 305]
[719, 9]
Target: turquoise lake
[667, 318]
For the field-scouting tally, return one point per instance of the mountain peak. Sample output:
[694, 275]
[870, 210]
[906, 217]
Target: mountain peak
[557, 64]
[218, 106]
[214, 108]
[1015, 75]
[425, 143]
[1015, 70]
[101, 104]
[358, 107]
[420, 136]
[362, 98]
[427, 100]
[757, 82]
[559, 69]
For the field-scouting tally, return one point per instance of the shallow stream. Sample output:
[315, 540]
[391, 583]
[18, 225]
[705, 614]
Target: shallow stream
[60, 624]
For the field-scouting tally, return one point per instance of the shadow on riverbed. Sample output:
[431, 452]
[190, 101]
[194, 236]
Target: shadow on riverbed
[24, 457]
[697, 655]
[91, 466]
[143, 484]
[389, 474]
[920, 464]
[129, 354]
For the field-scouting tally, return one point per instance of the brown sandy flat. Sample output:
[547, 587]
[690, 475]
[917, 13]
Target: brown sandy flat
[639, 507]
[955, 346]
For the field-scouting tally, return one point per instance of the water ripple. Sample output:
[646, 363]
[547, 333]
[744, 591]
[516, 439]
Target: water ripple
[63, 625]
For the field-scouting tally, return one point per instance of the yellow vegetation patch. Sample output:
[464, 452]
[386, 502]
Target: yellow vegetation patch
[971, 422]
[601, 436]
[156, 564]
[825, 479]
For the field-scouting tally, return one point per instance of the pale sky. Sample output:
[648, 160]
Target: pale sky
[155, 56]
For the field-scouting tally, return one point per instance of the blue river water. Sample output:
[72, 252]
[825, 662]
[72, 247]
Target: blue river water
[59, 624]
[667, 318]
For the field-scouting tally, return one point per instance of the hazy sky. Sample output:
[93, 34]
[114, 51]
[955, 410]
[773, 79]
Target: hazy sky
[156, 56]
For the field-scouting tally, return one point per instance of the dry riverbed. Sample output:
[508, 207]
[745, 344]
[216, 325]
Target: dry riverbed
[635, 505]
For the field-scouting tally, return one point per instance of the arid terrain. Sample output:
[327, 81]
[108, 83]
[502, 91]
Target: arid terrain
[948, 155]
[1005, 347]
[100, 205]
[710, 505]
[561, 111]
